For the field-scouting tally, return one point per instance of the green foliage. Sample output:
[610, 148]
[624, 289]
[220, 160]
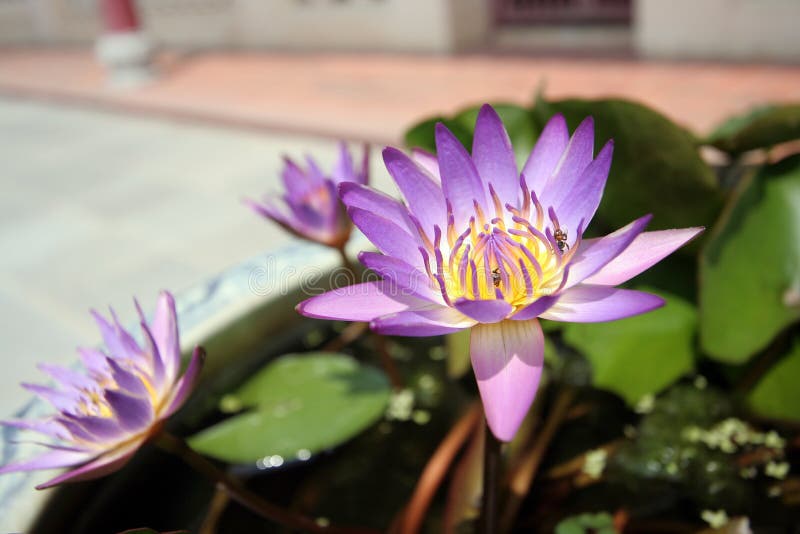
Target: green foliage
[750, 268]
[422, 134]
[761, 127]
[777, 394]
[308, 402]
[642, 354]
[600, 523]
[656, 167]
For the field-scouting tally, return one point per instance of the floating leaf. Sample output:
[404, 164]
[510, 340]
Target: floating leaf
[777, 395]
[761, 127]
[422, 134]
[656, 167]
[298, 405]
[639, 355]
[750, 268]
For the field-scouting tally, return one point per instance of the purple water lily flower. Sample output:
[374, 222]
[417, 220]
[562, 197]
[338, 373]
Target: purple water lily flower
[310, 207]
[105, 414]
[489, 248]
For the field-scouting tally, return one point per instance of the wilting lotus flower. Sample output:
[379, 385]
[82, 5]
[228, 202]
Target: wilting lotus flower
[311, 208]
[487, 248]
[105, 414]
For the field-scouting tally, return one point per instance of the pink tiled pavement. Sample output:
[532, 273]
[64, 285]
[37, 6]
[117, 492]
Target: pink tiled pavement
[376, 96]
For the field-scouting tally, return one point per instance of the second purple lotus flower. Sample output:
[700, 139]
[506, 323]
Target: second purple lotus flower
[480, 245]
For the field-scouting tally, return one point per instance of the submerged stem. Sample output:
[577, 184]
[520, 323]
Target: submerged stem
[491, 479]
[236, 490]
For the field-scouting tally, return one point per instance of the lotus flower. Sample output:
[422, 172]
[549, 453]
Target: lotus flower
[311, 208]
[486, 247]
[105, 414]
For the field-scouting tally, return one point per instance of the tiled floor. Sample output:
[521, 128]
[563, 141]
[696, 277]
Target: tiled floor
[96, 208]
[376, 96]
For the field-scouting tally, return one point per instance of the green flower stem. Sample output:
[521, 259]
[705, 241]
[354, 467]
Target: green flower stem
[491, 478]
[236, 491]
[347, 264]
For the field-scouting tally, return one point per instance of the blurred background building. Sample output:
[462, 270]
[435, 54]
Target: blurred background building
[705, 29]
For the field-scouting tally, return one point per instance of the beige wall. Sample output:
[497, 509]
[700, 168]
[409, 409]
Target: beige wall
[727, 29]
[380, 25]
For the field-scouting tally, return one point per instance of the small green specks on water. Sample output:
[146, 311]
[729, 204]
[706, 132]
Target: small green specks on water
[230, 404]
[645, 404]
[421, 417]
[777, 470]
[774, 441]
[715, 518]
[595, 463]
[323, 522]
[774, 492]
[303, 455]
[437, 354]
[314, 338]
[748, 473]
[401, 405]
[700, 382]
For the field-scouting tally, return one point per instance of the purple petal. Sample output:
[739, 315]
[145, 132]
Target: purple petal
[402, 275]
[507, 358]
[484, 311]
[461, 182]
[117, 341]
[594, 254]
[165, 333]
[100, 428]
[535, 309]
[127, 380]
[158, 376]
[422, 322]
[134, 414]
[546, 153]
[100, 466]
[67, 377]
[647, 249]
[576, 157]
[48, 460]
[295, 180]
[365, 198]
[427, 161]
[61, 400]
[594, 304]
[494, 156]
[389, 238]
[343, 170]
[94, 360]
[360, 302]
[187, 382]
[580, 201]
[48, 427]
[423, 195]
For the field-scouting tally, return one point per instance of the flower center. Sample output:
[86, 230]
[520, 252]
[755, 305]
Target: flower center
[518, 255]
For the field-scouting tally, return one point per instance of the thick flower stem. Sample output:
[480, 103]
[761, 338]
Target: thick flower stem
[242, 495]
[491, 479]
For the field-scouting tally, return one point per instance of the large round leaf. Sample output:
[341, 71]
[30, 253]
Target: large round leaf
[750, 268]
[639, 355]
[422, 134]
[298, 404]
[761, 127]
[776, 395]
[656, 167]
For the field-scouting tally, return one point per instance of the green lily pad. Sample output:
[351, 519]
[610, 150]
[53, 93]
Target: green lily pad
[761, 127]
[750, 268]
[422, 135]
[600, 523]
[656, 166]
[297, 405]
[639, 355]
[776, 395]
